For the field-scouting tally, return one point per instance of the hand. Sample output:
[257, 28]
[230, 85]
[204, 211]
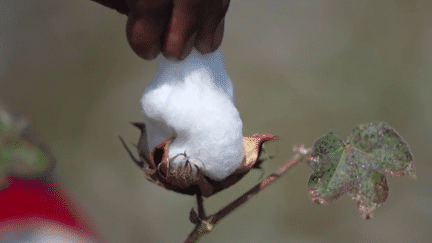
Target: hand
[174, 27]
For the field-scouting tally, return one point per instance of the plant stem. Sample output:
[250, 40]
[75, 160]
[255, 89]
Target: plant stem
[205, 226]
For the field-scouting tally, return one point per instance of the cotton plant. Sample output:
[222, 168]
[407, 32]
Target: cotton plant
[191, 142]
[191, 138]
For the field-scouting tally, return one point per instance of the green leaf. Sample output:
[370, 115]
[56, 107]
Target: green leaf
[358, 166]
[24, 158]
[10, 125]
[20, 155]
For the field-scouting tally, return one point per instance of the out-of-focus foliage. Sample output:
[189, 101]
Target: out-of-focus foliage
[19, 154]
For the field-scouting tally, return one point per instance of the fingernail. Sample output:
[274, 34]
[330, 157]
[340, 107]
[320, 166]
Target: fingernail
[205, 42]
[152, 53]
[205, 45]
[218, 35]
[137, 31]
[188, 47]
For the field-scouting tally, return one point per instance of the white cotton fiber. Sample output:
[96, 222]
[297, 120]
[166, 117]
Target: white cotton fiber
[192, 101]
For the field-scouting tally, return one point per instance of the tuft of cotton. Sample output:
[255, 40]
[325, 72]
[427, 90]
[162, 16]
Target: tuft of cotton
[192, 102]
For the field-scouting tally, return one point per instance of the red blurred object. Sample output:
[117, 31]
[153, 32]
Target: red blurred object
[38, 203]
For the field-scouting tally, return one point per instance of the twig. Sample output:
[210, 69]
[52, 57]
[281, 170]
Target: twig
[201, 211]
[205, 226]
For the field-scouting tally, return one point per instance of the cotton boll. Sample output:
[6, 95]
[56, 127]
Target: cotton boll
[192, 101]
[191, 140]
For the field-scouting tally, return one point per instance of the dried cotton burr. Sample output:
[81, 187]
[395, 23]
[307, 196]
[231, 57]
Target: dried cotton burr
[191, 139]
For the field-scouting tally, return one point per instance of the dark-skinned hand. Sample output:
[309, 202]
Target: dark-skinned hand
[174, 27]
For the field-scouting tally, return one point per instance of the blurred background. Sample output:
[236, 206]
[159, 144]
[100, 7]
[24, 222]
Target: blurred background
[300, 70]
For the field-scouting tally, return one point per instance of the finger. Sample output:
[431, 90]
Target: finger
[143, 37]
[188, 47]
[181, 27]
[218, 35]
[145, 25]
[210, 32]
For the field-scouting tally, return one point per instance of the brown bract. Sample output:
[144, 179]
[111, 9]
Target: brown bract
[189, 180]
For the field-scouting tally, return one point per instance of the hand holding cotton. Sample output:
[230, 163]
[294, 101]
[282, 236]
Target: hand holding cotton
[192, 102]
[191, 139]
